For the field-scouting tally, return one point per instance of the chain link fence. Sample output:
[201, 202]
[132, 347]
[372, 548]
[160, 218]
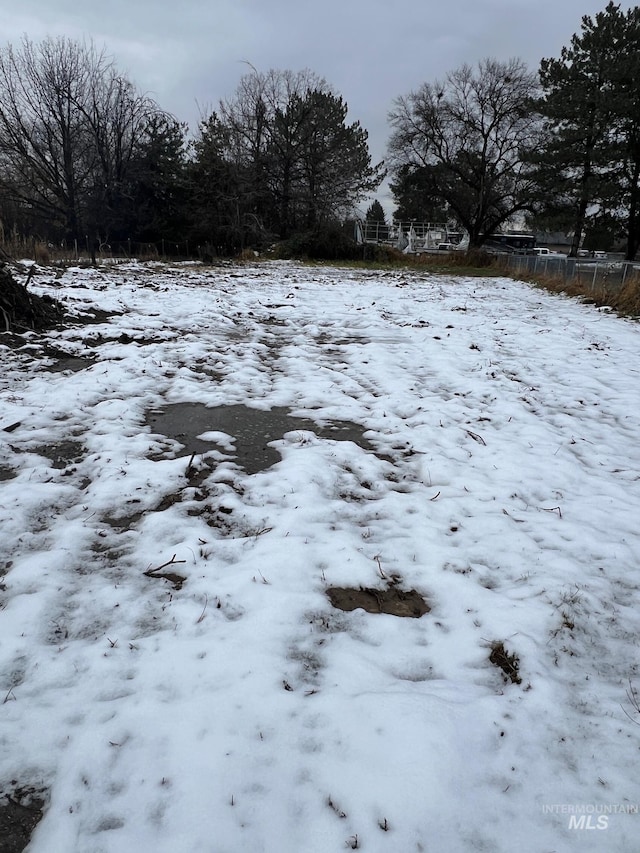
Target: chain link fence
[589, 274]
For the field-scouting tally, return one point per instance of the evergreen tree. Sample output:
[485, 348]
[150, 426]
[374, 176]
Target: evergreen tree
[335, 164]
[289, 159]
[579, 156]
[221, 191]
[375, 212]
[412, 192]
[626, 121]
[157, 187]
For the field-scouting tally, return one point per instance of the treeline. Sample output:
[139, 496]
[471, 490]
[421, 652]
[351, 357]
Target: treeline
[560, 148]
[86, 158]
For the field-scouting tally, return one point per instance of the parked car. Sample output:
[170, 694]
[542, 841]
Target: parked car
[544, 252]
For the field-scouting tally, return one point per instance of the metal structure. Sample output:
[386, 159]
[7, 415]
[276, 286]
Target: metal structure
[408, 236]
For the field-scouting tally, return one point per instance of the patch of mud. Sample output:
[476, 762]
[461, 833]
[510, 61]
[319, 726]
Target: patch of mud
[95, 318]
[61, 453]
[252, 430]
[7, 474]
[123, 522]
[65, 361]
[394, 601]
[21, 810]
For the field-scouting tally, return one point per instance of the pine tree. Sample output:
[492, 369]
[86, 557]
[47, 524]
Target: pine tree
[412, 192]
[301, 164]
[576, 163]
[626, 127]
[375, 213]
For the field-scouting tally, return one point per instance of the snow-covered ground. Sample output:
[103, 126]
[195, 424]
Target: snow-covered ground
[496, 472]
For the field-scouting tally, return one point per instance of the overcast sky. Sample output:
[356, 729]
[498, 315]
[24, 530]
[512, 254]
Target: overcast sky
[191, 53]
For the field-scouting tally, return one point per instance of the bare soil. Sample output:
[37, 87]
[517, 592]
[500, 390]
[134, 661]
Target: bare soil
[394, 601]
[20, 812]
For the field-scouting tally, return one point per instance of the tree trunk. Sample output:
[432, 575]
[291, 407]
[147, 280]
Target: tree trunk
[633, 221]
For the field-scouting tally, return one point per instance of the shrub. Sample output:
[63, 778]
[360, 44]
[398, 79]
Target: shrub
[41, 253]
[478, 258]
[324, 243]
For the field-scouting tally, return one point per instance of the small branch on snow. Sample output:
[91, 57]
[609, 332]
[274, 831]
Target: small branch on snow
[187, 473]
[172, 577]
[632, 696]
[476, 437]
[552, 509]
[201, 617]
[171, 562]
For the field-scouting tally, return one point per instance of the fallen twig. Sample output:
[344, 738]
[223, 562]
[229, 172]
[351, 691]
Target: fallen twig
[172, 577]
[476, 437]
[171, 562]
[632, 696]
[552, 509]
[201, 617]
[187, 473]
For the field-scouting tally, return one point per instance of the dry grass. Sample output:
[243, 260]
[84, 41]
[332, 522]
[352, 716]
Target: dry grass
[508, 663]
[625, 299]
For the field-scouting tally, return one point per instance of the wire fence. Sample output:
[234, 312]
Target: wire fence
[78, 251]
[590, 274]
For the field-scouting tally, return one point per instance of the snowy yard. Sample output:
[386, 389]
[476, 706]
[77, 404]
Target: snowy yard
[176, 671]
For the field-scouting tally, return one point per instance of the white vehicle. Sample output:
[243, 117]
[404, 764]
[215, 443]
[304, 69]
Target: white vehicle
[543, 252]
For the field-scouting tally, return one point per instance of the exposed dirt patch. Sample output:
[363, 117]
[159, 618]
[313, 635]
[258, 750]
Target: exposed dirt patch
[65, 361]
[7, 473]
[252, 430]
[394, 601]
[20, 812]
[508, 663]
[61, 453]
[123, 521]
[95, 318]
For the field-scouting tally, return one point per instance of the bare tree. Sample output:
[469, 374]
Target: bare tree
[68, 126]
[466, 136]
